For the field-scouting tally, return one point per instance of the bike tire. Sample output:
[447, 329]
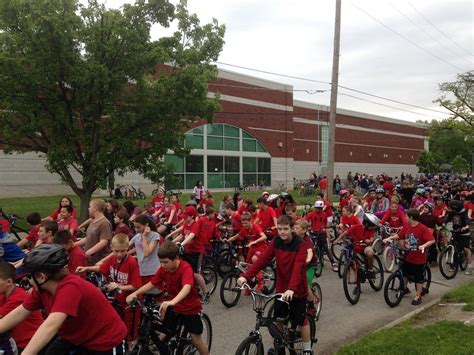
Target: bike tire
[320, 264]
[378, 246]
[210, 277]
[229, 296]
[427, 274]
[389, 258]
[351, 277]
[248, 344]
[336, 250]
[318, 298]
[378, 270]
[224, 265]
[447, 268]
[269, 279]
[393, 289]
[340, 264]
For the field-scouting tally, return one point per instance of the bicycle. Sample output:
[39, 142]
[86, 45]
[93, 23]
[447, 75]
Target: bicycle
[319, 249]
[289, 338]
[394, 289]
[452, 258]
[230, 295]
[390, 253]
[12, 219]
[231, 254]
[356, 271]
[151, 325]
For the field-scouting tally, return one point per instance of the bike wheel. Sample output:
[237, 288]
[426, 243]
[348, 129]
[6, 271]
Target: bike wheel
[341, 262]
[427, 276]
[336, 250]
[389, 258]
[378, 246]
[377, 282]
[448, 263]
[318, 298]
[206, 336]
[351, 282]
[224, 263]
[210, 278]
[393, 290]
[228, 292]
[320, 264]
[252, 345]
[269, 277]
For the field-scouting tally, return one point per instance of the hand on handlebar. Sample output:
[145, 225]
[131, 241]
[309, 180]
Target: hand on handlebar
[131, 299]
[241, 280]
[288, 295]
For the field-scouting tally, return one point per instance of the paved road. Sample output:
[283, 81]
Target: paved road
[339, 321]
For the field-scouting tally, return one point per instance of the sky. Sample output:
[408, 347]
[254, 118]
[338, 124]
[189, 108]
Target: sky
[394, 49]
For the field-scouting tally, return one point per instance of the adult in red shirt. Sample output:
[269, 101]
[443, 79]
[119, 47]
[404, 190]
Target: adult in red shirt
[394, 216]
[415, 237]
[178, 277]
[11, 297]
[75, 309]
[266, 217]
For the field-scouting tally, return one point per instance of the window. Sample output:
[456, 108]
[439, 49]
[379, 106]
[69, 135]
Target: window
[250, 165]
[215, 164]
[195, 163]
[232, 164]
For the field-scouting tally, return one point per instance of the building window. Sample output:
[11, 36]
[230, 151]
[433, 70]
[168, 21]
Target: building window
[220, 170]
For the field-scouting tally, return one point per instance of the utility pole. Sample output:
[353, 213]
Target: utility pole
[333, 104]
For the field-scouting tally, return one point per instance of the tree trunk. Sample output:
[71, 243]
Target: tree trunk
[85, 198]
[111, 183]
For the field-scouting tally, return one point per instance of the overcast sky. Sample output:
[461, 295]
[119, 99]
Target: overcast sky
[295, 37]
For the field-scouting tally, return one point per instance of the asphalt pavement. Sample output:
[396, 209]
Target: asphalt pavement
[339, 323]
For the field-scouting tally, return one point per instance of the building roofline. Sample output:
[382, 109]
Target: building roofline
[253, 80]
[342, 111]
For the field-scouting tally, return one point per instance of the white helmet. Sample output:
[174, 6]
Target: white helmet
[319, 204]
[373, 219]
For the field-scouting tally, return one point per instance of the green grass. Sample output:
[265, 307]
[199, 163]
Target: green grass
[405, 339]
[44, 205]
[464, 294]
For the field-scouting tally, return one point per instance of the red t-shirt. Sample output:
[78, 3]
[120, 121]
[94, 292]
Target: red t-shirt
[236, 222]
[242, 209]
[173, 282]
[92, 322]
[24, 331]
[252, 235]
[266, 217]
[123, 230]
[76, 258]
[438, 211]
[124, 273]
[359, 234]
[344, 201]
[350, 220]
[328, 208]
[157, 202]
[4, 225]
[70, 224]
[178, 207]
[394, 220]
[318, 220]
[323, 183]
[167, 211]
[207, 229]
[196, 245]
[33, 235]
[414, 237]
[54, 216]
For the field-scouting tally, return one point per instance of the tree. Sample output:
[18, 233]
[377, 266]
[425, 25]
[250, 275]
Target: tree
[86, 87]
[461, 103]
[426, 163]
[460, 165]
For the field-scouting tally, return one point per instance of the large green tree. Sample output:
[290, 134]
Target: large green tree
[87, 88]
[426, 162]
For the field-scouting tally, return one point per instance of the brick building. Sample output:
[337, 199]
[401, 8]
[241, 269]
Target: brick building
[262, 134]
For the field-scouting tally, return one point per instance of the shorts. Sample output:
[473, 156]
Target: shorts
[416, 271]
[322, 243]
[61, 346]
[257, 251]
[195, 260]
[463, 241]
[191, 323]
[296, 309]
[363, 249]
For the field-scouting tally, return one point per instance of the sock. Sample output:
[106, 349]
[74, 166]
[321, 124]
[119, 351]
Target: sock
[469, 266]
[307, 346]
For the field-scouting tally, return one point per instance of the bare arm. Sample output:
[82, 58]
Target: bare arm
[98, 247]
[12, 319]
[45, 333]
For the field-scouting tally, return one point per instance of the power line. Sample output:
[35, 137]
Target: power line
[444, 34]
[308, 91]
[425, 32]
[341, 86]
[407, 39]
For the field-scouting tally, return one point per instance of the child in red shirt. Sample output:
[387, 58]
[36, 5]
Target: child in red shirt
[11, 297]
[121, 227]
[178, 277]
[394, 216]
[66, 221]
[46, 232]
[34, 222]
[76, 255]
[123, 275]
[348, 219]
[208, 227]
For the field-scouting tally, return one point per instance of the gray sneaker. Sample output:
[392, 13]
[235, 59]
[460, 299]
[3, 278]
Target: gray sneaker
[468, 272]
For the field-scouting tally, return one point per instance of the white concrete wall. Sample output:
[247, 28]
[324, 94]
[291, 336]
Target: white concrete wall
[303, 169]
[282, 172]
[392, 170]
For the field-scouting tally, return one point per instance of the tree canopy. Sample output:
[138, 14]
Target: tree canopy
[87, 87]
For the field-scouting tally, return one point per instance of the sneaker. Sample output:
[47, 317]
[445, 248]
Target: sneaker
[307, 352]
[468, 272]
[335, 267]
[417, 300]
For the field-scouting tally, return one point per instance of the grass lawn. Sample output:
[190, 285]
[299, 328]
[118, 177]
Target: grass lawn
[464, 294]
[22, 206]
[405, 339]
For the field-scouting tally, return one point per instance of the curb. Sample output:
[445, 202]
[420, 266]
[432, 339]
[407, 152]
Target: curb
[411, 314]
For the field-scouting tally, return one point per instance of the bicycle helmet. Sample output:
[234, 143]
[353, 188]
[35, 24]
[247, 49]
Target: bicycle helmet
[379, 190]
[283, 194]
[265, 193]
[420, 191]
[456, 205]
[343, 192]
[371, 219]
[464, 193]
[272, 198]
[46, 258]
[319, 204]
[429, 205]
[191, 203]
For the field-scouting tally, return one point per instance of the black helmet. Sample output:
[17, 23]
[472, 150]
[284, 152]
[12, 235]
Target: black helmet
[456, 205]
[46, 258]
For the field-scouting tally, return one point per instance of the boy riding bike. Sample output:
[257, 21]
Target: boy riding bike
[185, 305]
[290, 254]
